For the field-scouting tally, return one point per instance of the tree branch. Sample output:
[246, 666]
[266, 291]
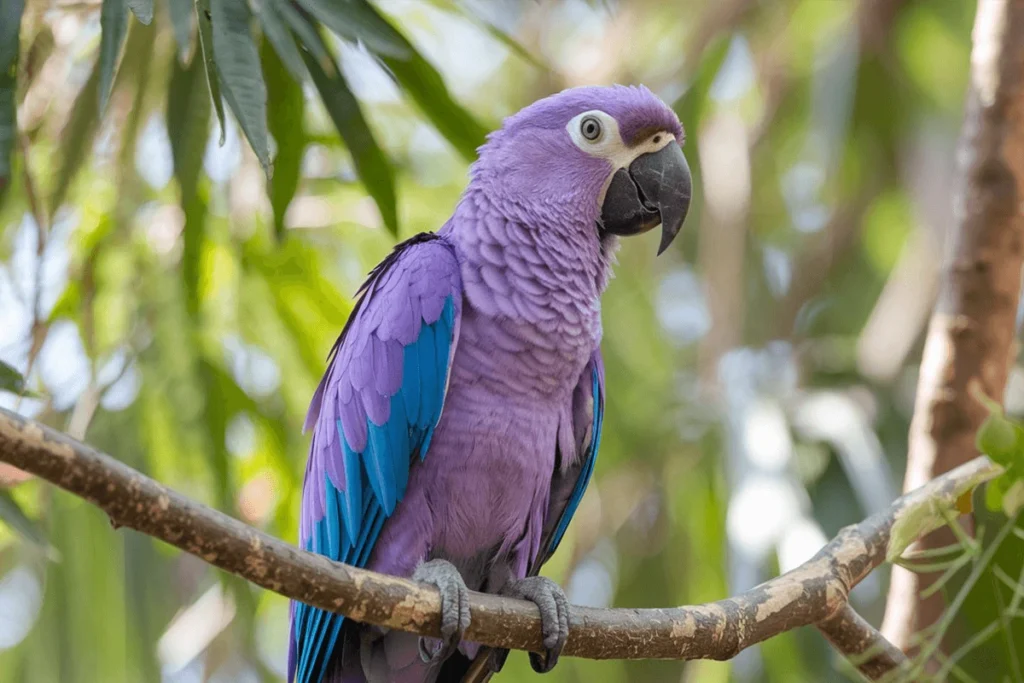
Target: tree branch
[866, 648]
[970, 337]
[814, 592]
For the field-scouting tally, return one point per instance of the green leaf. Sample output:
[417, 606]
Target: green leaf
[10, 379]
[206, 44]
[371, 163]
[21, 524]
[181, 12]
[358, 21]
[280, 37]
[238, 64]
[421, 81]
[142, 9]
[914, 521]
[10, 27]
[286, 126]
[8, 128]
[997, 438]
[514, 46]
[76, 137]
[424, 84]
[306, 33]
[188, 125]
[998, 587]
[114, 25]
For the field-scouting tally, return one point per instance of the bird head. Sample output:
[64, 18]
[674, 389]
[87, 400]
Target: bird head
[608, 156]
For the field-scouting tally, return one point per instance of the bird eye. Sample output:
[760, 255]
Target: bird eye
[590, 128]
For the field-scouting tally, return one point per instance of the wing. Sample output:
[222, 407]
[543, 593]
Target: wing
[574, 463]
[373, 414]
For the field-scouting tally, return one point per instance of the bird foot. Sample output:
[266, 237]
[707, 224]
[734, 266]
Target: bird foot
[454, 608]
[554, 617]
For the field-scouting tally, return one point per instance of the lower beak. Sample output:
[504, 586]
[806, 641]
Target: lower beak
[654, 190]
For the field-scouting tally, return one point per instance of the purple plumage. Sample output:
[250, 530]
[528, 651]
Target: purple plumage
[460, 415]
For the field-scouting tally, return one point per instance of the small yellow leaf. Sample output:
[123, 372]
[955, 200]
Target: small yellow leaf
[965, 503]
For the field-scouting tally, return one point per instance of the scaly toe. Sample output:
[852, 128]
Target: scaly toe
[554, 613]
[454, 608]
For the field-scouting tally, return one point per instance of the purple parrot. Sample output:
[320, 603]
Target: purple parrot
[458, 423]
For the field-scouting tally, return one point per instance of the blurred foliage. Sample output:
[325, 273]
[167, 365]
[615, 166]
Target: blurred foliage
[173, 305]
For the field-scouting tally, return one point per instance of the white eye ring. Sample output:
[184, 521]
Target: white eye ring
[590, 128]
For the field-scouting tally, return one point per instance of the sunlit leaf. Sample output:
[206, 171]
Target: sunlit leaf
[10, 28]
[76, 137]
[496, 32]
[424, 84]
[142, 9]
[371, 163]
[182, 12]
[238, 64]
[114, 27]
[212, 79]
[19, 522]
[285, 119]
[358, 21]
[276, 31]
[997, 438]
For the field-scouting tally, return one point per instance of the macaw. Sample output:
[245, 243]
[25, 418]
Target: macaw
[459, 419]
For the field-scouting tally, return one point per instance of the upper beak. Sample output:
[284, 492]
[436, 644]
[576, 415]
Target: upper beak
[654, 189]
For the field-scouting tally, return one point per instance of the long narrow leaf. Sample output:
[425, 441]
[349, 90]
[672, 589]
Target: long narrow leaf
[181, 12]
[8, 128]
[424, 84]
[276, 31]
[114, 27]
[496, 32]
[76, 137]
[306, 32]
[10, 26]
[238, 64]
[286, 126]
[212, 79]
[10, 379]
[358, 21]
[21, 524]
[188, 126]
[371, 163]
[142, 9]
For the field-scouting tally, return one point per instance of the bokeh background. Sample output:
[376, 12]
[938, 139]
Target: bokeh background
[760, 374]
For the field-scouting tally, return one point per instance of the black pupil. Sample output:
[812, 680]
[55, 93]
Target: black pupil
[590, 129]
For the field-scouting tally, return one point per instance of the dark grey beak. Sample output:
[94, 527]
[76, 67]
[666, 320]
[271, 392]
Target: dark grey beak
[654, 190]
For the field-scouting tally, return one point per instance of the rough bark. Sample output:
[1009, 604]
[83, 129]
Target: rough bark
[971, 333]
[810, 594]
[865, 647]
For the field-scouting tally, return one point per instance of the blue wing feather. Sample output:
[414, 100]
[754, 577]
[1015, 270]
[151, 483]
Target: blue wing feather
[377, 477]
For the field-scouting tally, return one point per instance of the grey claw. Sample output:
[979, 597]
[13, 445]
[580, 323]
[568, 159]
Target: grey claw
[454, 608]
[554, 615]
